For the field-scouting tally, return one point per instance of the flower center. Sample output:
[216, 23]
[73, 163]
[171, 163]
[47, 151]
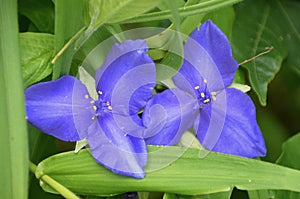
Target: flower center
[99, 106]
[203, 94]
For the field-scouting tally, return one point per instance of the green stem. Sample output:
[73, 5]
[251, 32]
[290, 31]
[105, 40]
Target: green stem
[65, 192]
[199, 8]
[32, 167]
[66, 46]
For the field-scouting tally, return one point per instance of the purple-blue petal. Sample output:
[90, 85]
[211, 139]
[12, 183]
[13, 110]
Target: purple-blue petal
[215, 42]
[127, 77]
[233, 129]
[55, 106]
[207, 55]
[167, 116]
[114, 149]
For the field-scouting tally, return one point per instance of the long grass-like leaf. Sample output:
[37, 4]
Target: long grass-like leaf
[68, 22]
[13, 142]
[170, 169]
[200, 8]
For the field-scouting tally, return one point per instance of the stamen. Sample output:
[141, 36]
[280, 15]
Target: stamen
[202, 95]
[92, 101]
[100, 92]
[206, 101]
[109, 108]
[86, 96]
[197, 87]
[205, 80]
[94, 117]
[95, 108]
[213, 93]
[107, 103]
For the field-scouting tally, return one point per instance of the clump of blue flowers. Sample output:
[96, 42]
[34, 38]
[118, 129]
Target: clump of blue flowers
[112, 123]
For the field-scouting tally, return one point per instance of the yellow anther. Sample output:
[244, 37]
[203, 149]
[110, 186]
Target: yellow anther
[99, 92]
[107, 103]
[86, 96]
[213, 93]
[95, 108]
[109, 107]
[92, 101]
[206, 101]
[205, 80]
[202, 95]
[197, 87]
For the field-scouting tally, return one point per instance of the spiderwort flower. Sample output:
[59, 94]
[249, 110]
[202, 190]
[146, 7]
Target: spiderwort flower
[64, 109]
[227, 120]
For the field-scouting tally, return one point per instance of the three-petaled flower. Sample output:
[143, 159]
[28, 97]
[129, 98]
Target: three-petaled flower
[225, 121]
[63, 108]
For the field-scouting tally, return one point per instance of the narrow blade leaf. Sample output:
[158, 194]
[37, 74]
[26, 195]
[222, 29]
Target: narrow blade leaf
[186, 174]
[13, 142]
[68, 21]
[202, 7]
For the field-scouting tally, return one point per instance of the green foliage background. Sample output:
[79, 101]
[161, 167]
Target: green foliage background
[32, 32]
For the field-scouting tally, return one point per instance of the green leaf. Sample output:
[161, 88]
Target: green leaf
[287, 16]
[290, 157]
[254, 35]
[13, 142]
[170, 169]
[40, 13]
[68, 22]
[108, 11]
[36, 52]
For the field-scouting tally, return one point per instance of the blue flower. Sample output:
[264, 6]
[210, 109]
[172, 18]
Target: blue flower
[223, 118]
[64, 109]
[227, 119]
